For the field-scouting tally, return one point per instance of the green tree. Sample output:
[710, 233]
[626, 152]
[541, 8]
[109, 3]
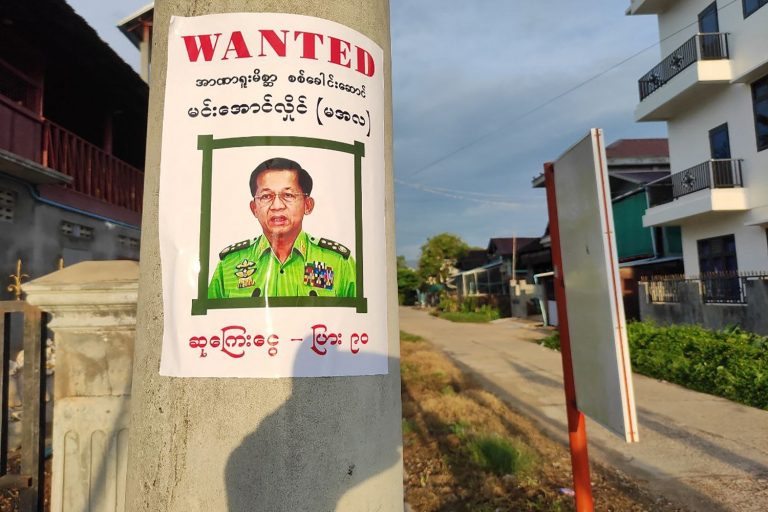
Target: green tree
[439, 255]
[407, 283]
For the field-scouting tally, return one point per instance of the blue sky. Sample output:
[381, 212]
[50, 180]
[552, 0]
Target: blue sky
[464, 75]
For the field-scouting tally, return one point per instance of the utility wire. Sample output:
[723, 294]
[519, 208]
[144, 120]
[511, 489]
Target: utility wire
[494, 131]
[456, 195]
[470, 193]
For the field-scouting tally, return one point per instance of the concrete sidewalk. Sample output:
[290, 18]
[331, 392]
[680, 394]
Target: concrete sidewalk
[700, 451]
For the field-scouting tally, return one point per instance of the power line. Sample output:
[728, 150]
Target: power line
[457, 195]
[469, 192]
[491, 132]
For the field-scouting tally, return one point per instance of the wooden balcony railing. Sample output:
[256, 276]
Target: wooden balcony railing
[94, 172]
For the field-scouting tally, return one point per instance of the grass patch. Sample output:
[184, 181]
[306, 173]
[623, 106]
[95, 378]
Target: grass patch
[552, 341]
[468, 317]
[412, 338]
[409, 426]
[500, 455]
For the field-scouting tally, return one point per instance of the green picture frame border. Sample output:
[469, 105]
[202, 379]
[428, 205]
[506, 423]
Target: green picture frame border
[208, 144]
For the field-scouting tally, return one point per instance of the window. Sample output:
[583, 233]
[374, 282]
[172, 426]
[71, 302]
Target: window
[7, 205]
[709, 27]
[708, 22]
[127, 241]
[720, 282]
[719, 143]
[717, 254]
[73, 230]
[751, 6]
[760, 107]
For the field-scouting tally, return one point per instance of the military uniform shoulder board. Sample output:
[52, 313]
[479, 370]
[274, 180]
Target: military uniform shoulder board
[334, 246]
[233, 248]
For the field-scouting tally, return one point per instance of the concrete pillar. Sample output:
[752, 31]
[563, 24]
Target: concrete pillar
[310, 444]
[93, 305]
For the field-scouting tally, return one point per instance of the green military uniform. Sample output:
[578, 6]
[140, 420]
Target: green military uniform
[315, 267]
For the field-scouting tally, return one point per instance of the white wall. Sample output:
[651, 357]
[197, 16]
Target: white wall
[679, 15]
[747, 39]
[751, 242]
[689, 137]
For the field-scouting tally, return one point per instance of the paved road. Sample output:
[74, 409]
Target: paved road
[704, 452]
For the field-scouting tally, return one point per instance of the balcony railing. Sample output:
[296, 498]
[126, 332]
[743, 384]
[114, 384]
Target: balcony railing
[710, 174]
[711, 46]
[94, 172]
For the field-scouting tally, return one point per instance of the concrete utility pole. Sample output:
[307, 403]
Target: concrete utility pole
[305, 444]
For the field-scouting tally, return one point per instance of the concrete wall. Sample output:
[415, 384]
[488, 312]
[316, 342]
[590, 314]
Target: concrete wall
[214, 444]
[36, 237]
[521, 295]
[692, 310]
[93, 308]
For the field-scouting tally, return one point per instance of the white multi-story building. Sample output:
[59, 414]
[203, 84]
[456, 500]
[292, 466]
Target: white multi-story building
[711, 87]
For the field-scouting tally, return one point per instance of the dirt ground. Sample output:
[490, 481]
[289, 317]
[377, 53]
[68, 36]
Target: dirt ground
[440, 474]
[9, 498]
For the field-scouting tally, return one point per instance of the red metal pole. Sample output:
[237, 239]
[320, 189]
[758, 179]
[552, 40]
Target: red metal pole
[577, 430]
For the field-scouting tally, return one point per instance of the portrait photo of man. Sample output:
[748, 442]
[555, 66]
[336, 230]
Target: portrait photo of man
[284, 260]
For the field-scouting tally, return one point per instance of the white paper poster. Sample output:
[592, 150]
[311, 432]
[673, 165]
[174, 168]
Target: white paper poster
[272, 199]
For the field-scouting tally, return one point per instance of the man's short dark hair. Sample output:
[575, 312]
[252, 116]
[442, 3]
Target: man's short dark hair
[282, 164]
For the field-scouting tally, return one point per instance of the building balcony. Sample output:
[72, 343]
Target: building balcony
[712, 186]
[675, 83]
[42, 152]
[649, 6]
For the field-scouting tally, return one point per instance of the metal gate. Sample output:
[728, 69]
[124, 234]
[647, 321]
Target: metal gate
[17, 318]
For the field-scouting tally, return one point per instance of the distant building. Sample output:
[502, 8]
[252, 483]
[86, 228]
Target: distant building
[137, 27]
[711, 88]
[486, 274]
[642, 251]
[72, 140]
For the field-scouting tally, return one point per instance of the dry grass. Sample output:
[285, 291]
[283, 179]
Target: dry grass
[465, 450]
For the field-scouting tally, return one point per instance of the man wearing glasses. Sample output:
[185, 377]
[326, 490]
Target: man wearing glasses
[284, 260]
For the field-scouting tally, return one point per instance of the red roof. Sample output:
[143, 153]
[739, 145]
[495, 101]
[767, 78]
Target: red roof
[638, 148]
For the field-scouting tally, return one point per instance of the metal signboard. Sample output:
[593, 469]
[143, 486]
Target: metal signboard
[596, 323]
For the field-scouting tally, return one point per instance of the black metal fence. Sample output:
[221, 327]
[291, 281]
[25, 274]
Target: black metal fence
[32, 324]
[714, 287]
[712, 46]
[709, 174]
[659, 192]
[716, 173]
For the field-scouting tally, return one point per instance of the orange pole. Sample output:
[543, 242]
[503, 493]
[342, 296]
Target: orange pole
[577, 429]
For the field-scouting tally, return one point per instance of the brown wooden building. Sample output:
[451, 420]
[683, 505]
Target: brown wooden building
[72, 138]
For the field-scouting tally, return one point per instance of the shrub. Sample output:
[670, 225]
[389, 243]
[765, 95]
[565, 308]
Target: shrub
[482, 314]
[447, 304]
[730, 363]
[469, 305]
